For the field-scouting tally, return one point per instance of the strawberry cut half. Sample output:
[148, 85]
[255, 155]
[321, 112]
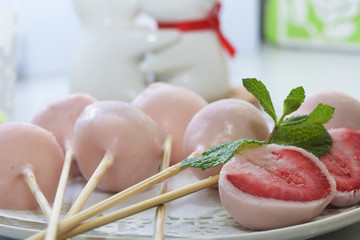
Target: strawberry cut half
[343, 163]
[275, 186]
[287, 179]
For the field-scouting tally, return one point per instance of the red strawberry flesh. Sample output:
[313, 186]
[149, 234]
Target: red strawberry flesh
[343, 159]
[294, 177]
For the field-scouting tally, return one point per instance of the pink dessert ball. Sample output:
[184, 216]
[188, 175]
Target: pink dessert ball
[172, 108]
[126, 133]
[275, 186]
[59, 117]
[343, 163]
[220, 122]
[22, 145]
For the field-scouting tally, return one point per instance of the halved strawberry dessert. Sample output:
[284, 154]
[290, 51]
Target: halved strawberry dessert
[343, 163]
[275, 186]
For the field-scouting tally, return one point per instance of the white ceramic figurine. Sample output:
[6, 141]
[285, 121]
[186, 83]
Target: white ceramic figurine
[106, 63]
[197, 61]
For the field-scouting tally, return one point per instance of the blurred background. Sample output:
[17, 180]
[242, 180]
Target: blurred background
[314, 43]
[48, 32]
[285, 43]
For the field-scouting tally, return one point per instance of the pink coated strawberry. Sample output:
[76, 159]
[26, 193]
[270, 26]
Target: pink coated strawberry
[275, 186]
[343, 163]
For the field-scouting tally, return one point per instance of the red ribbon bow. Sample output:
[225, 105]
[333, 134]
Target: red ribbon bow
[211, 22]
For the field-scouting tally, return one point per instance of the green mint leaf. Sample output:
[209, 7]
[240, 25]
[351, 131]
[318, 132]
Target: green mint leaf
[258, 89]
[307, 132]
[219, 154]
[294, 120]
[313, 138]
[321, 114]
[293, 101]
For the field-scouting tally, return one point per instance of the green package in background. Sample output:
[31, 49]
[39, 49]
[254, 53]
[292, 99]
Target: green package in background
[316, 23]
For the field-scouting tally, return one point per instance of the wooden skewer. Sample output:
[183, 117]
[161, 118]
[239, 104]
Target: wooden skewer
[30, 179]
[142, 206]
[55, 213]
[90, 186]
[100, 207]
[160, 210]
[82, 198]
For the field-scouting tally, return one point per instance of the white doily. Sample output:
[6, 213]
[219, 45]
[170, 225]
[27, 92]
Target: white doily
[196, 216]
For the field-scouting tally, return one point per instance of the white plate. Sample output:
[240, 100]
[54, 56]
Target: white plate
[197, 216]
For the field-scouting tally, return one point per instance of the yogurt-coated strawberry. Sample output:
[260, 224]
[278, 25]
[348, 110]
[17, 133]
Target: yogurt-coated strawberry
[22, 145]
[123, 131]
[274, 186]
[59, 117]
[172, 108]
[220, 122]
[343, 163]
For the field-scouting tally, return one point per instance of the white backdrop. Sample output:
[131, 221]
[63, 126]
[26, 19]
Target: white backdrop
[48, 32]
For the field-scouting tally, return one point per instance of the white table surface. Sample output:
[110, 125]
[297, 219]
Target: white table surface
[279, 69]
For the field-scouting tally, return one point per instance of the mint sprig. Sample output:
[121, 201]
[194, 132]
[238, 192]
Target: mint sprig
[305, 131]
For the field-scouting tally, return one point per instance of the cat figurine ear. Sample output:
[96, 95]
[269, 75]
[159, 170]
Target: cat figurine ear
[196, 61]
[111, 47]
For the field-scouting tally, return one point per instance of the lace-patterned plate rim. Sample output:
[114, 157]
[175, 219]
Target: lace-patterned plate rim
[330, 220]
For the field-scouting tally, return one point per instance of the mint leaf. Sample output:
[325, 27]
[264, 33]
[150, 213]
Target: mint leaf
[321, 114]
[294, 120]
[313, 138]
[258, 89]
[219, 154]
[306, 131]
[294, 100]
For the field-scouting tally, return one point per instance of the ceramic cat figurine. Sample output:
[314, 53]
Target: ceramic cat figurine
[111, 46]
[196, 61]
